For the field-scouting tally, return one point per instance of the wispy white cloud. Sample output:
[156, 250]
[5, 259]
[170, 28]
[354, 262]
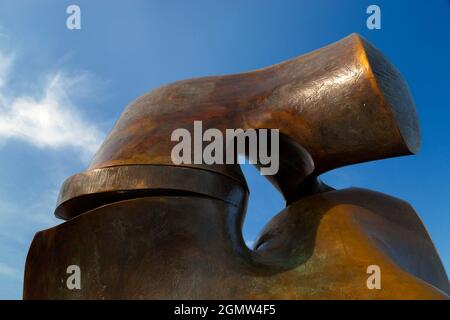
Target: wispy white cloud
[49, 119]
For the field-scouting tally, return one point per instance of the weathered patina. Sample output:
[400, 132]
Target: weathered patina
[141, 227]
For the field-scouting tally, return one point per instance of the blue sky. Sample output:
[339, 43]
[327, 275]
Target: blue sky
[62, 90]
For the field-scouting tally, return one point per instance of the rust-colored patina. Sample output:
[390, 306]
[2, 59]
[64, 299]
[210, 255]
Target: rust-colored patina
[141, 227]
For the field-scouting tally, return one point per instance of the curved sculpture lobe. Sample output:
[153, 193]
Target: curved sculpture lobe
[342, 104]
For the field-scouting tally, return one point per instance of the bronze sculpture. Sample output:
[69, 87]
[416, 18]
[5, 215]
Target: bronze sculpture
[141, 227]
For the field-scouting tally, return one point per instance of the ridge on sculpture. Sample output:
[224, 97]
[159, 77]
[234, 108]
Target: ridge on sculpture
[143, 227]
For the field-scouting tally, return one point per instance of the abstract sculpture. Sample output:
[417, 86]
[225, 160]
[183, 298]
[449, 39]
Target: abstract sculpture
[140, 227]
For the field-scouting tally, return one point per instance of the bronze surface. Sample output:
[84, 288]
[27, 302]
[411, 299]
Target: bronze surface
[191, 248]
[140, 227]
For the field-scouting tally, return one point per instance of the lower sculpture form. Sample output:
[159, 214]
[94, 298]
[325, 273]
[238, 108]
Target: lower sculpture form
[190, 248]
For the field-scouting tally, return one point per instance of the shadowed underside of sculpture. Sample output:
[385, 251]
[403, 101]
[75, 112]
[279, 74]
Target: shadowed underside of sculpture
[141, 227]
